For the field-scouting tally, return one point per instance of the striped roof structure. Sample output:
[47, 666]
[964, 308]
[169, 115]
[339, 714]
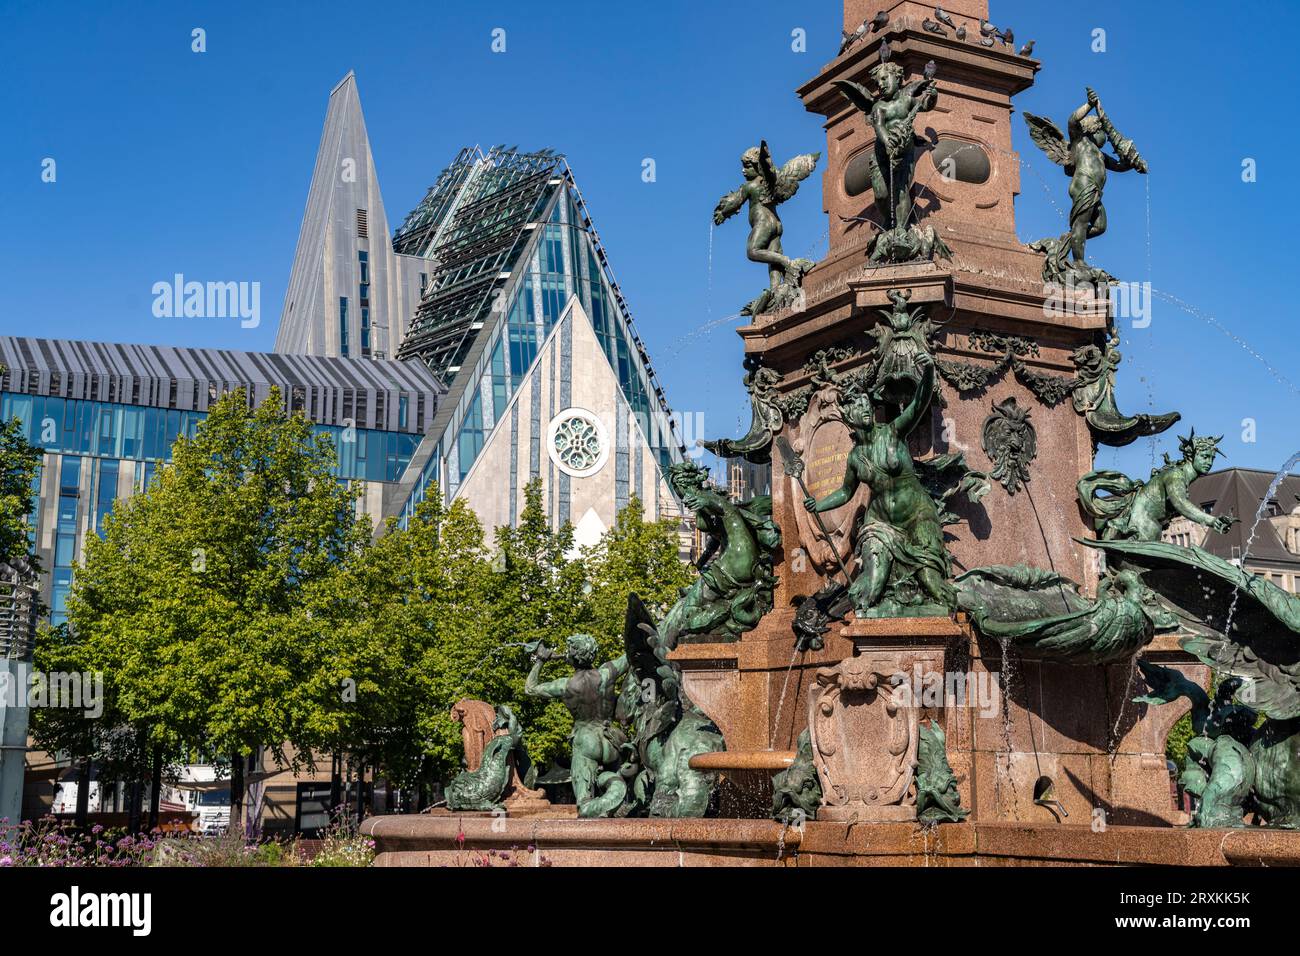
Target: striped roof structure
[371, 393]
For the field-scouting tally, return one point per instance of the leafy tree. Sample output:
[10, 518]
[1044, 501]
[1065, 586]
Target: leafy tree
[539, 593]
[19, 464]
[638, 556]
[192, 602]
[399, 631]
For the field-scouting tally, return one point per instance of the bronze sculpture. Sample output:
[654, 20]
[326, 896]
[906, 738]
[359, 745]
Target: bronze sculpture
[891, 112]
[591, 695]
[1247, 630]
[483, 788]
[735, 585]
[1141, 510]
[905, 568]
[1084, 161]
[765, 188]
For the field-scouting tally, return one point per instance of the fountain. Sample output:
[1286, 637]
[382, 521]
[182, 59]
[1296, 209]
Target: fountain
[899, 641]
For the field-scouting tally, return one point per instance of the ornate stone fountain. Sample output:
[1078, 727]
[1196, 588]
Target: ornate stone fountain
[918, 626]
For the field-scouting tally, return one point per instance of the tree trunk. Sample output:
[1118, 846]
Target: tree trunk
[422, 786]
[336, 785]
[155, 789]
[361, 791]
[83, 795]
[236, 792]
[134, 799]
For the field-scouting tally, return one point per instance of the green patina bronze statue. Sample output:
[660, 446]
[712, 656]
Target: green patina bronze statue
[1247, 630]
[734, 589]
[891, 111]
[766, 417]
[484, 788]
[937, 799]
[668, 729]
[1086, 164]
[1042, 615]
[1093, 396]
[1137, 510]
[765, 188]
[796, 790]
[591, 694]
[1219, 770]
[905, 568]
[634, 728]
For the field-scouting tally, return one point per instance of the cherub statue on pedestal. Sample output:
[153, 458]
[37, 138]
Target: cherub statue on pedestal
[765, 188]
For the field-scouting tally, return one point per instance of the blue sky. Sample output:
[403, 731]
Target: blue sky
[171, 161]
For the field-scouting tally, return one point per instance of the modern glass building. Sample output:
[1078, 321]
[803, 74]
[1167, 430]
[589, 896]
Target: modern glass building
[472, 285]
[482, 345]
[107, 415]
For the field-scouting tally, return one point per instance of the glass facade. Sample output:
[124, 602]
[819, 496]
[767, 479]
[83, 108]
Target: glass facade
[563, 263]
[145, 434]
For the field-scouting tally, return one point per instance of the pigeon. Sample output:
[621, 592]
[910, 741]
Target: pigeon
[851, 38]
[929, 70]
[1009, 38]
[929, 26]
[943, 17]
[1027, 49]
[961, 32]
[885, 51]
[878, 21]
[987, 41]
[987, 29]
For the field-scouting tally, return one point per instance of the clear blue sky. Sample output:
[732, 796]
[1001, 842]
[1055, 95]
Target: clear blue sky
[171, 161]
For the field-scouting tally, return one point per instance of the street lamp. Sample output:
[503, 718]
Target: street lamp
[18, 606]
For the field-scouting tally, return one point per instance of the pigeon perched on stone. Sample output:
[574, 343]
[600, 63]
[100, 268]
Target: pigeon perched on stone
[943, 17]
[1027, 49]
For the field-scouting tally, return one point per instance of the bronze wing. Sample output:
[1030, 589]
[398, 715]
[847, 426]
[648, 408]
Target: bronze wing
[1048, 137]
[1263, 644]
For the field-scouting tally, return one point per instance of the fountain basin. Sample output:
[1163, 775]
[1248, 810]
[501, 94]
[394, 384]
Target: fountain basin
[465, 840]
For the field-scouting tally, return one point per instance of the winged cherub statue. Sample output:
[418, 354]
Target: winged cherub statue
[765, 188]
[892, 112]
[1085, 162]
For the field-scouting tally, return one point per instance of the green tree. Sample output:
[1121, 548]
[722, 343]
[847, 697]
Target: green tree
[638, 556]
[539, 593]
[20, 462]
[399, 632]
[192, 603]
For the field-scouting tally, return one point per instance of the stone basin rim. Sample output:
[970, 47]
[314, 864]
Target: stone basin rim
[771, 760]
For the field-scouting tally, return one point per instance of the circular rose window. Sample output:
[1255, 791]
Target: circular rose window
[576, 442]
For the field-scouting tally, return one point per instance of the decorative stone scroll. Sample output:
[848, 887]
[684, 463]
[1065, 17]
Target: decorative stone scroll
[863, 723]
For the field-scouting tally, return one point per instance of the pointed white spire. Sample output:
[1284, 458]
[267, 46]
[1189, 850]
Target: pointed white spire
[344, 239]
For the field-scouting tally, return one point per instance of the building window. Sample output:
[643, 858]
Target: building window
[106, 493]
[576, 442]
[313, 811]
[343, 326]
[363, 228]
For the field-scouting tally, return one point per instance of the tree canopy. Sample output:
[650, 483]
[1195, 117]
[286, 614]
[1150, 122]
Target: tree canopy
[241, 602]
